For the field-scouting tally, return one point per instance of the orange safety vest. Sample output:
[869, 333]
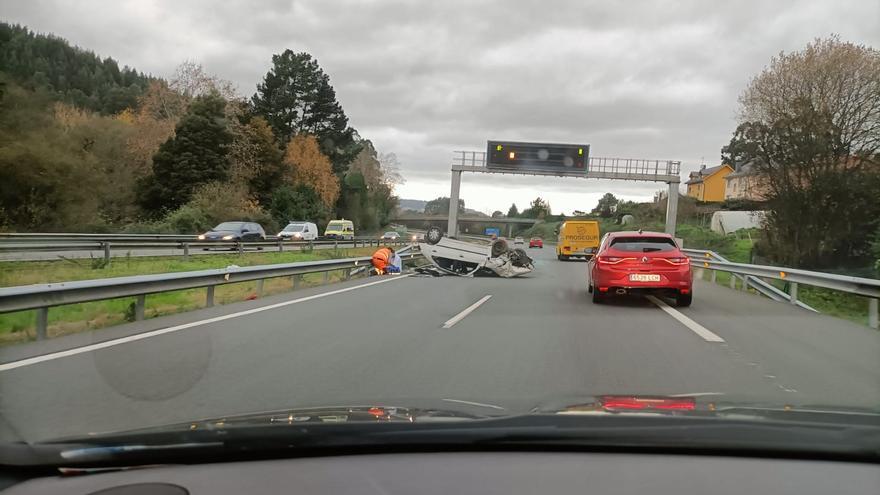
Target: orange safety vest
[381, 258]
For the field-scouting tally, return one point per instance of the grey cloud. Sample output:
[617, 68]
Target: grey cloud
[638, 79]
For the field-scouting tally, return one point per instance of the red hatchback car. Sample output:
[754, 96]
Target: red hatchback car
[536, 242]
[640, 263]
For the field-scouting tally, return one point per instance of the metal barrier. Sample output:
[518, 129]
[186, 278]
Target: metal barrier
[33, 243]
[41, 297]
[759, 285]
[751, 275]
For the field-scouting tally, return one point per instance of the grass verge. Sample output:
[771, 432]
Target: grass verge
[63, 320]
[839, 304]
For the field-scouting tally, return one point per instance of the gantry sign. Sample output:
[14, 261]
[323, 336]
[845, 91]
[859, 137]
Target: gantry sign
[560, 160]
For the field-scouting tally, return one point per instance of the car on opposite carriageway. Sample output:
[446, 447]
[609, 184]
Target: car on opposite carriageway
[299, 231]
[640, 263]
[235, 231]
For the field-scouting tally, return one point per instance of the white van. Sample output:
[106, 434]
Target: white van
[299, 231]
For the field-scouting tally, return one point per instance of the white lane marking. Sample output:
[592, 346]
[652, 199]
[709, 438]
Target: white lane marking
[132, 338]
[468, 310]
[480, 404]
[684, 320]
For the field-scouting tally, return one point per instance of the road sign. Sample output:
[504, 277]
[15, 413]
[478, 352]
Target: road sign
[493, 230]
[566, 159]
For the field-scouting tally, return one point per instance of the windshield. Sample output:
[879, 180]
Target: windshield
[229, 226]
[643, 244]
[706, 174]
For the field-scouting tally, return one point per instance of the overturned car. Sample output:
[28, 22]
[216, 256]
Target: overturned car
[458, 257]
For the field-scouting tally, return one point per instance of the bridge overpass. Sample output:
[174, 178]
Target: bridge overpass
[419, 221]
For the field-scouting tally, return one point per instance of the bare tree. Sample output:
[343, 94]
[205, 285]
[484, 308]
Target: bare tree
[810, 122]
[391, 169]
[191, 80]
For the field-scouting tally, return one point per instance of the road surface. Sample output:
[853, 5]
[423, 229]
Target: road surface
[498, 343]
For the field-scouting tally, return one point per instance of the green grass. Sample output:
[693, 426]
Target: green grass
[826, 301]
[19, 327]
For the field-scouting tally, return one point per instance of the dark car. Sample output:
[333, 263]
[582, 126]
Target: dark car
[235, 231]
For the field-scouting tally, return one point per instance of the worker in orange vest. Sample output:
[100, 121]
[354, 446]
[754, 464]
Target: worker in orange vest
[383, 261]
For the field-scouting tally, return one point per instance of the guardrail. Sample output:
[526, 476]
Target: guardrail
[759, 285]
[751, 275]
[41, 297]
[26, 243]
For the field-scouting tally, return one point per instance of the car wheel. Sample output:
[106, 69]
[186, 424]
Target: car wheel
[598, 298]
[684, 300]
[433, 235]
[499, 247]
[561, 257]
[590, 288]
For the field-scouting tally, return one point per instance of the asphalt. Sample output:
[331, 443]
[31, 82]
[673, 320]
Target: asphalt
[538, 340]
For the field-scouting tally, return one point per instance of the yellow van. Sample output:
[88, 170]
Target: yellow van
[577, 238]
[339, 229]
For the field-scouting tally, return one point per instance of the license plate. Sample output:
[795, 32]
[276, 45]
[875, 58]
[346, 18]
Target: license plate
[644, 277]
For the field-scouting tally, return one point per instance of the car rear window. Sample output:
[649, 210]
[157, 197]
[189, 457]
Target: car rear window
[643, 244]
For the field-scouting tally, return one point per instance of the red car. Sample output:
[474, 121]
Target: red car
[640, 263]
[536, 242]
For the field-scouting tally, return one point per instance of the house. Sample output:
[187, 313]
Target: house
[707, 184]
[745, 183]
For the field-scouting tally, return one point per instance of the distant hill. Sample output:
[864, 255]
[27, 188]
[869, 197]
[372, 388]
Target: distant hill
[75, 75]
[412, 204]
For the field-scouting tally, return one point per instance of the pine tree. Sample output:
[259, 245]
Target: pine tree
[195, 155]
[296, 97]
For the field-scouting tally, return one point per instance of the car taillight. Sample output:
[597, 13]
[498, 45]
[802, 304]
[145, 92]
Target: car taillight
[677, 260]
[611, 260]
[641, 403]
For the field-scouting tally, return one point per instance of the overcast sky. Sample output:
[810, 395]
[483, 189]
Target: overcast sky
[421, 78]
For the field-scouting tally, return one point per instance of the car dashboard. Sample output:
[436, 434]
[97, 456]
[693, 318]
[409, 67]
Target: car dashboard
[507, 473]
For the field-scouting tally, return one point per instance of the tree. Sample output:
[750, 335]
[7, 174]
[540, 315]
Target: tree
[497, 214]
[367, 164]
[440, 206]
[311, 168]
[810, 122]
[296, 97]
[538, 208]
[102, 143]
[296, 203]
[195, 155]
[739, 149]
[45, 171]
[606, 206]
[255, 159]
[67, 73]
[513, 211]
[391, 169]
[191, 80]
